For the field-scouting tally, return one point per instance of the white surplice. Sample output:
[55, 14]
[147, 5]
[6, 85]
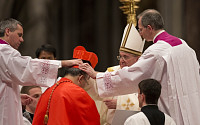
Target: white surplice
[141, 119]
[18, 70]
[176, 68]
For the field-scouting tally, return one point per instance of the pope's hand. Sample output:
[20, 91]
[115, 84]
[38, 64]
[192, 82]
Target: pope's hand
[88, 69]
[111, 103]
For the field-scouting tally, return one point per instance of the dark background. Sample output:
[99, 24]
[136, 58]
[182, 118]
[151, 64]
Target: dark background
[95, 24]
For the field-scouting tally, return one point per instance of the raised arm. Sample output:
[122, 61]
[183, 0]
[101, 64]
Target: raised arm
[88, 69]
[68, 63]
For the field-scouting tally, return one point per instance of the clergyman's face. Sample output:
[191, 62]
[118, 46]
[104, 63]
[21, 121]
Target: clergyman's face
[46, 55]
[15, 38]
[127, 59]
[144, 31]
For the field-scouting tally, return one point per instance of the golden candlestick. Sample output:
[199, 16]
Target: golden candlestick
[129, 8]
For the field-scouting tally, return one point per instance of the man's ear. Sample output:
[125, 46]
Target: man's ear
[149, 27]
[7, 32]
[143, 97]
[80, 78]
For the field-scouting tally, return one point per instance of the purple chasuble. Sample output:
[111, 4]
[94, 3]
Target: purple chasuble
[172, 40]
[3, 42]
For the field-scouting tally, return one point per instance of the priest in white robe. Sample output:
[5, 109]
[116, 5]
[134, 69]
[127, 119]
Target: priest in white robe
[18, 70]
[170, 61]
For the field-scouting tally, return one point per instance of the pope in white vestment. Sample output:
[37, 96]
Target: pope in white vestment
[129, 52]
[123, 102]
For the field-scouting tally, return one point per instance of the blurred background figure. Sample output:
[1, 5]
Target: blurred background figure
[46, 51]
[35, 92]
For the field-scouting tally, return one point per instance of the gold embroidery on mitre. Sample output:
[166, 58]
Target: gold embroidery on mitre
[130, 51]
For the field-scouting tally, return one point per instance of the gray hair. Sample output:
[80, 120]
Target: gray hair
[153, 18]
[8, 23]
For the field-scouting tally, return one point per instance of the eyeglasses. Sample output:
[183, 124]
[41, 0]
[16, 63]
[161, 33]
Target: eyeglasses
[123, 57]
[140, 29]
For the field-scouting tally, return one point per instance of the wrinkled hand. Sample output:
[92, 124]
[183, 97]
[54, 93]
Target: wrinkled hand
[111, 103]
[26, 99]
[88, 69]
[73, 62]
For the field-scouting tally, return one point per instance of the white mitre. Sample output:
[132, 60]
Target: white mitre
[132, 41]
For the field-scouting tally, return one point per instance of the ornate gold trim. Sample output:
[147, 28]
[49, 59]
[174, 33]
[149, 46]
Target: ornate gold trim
[127, 34]
[130, 51]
